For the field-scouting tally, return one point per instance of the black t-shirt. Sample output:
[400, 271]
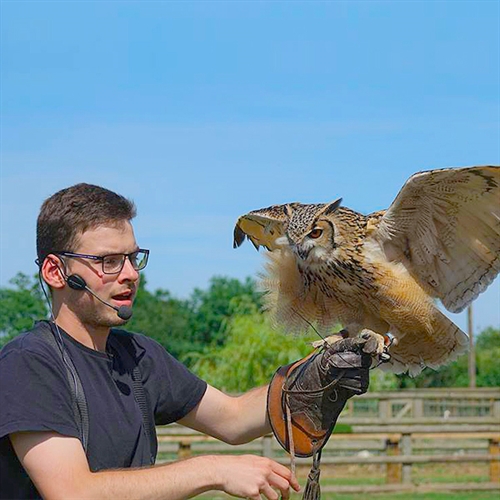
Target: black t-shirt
[35, 396]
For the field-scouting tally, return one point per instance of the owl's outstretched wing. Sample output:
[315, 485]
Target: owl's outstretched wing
[263, 226]
[444, 225]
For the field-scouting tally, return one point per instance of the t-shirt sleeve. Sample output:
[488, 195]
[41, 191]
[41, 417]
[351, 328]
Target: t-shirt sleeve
[34, 394]
[174, 389]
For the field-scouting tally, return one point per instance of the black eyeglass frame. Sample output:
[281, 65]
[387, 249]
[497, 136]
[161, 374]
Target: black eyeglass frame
[102, 257]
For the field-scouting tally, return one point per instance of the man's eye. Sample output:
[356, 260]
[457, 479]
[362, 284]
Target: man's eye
[112, 260]
[315, 233]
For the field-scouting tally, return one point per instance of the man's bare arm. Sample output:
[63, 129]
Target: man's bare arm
[235, 420]
[59, 469]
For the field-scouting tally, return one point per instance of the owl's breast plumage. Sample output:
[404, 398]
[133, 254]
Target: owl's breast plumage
[327, 294]
[357, 287]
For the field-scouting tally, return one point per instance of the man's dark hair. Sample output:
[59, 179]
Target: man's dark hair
[70, 212]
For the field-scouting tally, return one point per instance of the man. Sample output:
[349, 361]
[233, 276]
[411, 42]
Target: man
[84, 233]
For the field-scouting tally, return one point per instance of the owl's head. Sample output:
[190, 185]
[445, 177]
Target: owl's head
[307, 230]
[310, 231]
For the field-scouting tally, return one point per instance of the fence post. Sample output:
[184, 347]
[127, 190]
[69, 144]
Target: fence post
[496, 408]
[418, 407]
[184, 450]
[267, 446]
[406, 449]
[494, 449]
[394, 470]
[384, 409]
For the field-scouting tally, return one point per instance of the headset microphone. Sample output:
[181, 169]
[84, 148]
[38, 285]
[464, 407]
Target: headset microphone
[76, 282]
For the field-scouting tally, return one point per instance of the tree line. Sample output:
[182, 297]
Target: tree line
[223, 335]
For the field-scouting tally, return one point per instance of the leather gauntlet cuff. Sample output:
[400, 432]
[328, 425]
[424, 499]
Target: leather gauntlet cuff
[313, 391]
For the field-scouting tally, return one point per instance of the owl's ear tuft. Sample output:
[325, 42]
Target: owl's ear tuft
[331, 207]
[288, 209]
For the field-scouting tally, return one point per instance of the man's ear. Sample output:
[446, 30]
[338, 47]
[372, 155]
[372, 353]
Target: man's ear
[52, 272]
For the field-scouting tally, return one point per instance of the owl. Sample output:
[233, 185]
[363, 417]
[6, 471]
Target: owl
[382, 273]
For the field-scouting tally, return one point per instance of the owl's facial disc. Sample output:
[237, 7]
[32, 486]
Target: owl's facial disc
[317, 241]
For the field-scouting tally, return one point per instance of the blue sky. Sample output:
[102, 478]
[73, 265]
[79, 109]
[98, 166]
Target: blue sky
[202, 111]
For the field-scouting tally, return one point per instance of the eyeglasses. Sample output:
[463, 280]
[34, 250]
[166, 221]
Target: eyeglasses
[113, 263]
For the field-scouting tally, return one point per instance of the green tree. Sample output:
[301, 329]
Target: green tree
[488, 356]
[20, 306]
[211, 307]
[164, 318]
[252, 352]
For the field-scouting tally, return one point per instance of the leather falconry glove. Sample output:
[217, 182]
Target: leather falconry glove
[305, 399]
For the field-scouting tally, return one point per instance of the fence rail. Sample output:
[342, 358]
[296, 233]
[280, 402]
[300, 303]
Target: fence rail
[445, 404]
[397, 451]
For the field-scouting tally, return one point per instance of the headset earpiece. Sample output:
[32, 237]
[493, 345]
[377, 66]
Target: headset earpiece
[76, 282]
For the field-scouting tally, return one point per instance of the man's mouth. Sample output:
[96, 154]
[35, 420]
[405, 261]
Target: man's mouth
[124, 298]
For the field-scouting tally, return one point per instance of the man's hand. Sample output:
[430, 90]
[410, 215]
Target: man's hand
[249, 476]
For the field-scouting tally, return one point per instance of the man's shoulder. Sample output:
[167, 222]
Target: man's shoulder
[29, 342]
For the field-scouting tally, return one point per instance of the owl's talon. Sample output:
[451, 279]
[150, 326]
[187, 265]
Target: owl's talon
[374, 343]
[319, 343]
[327, 341]
[385, 357]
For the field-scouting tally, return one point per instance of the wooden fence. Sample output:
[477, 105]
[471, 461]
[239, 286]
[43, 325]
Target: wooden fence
[400, 430]
[425, 406]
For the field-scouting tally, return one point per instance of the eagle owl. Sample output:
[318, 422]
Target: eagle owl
[440, 239]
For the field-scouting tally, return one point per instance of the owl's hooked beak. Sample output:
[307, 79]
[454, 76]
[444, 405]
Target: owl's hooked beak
[303, 251]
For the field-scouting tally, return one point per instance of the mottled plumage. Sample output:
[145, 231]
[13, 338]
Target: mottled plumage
[440, 238]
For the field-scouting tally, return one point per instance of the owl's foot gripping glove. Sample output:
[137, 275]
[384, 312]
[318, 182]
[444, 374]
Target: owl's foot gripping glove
[305, 399]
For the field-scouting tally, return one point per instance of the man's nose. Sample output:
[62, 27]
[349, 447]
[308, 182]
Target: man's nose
[128, 272]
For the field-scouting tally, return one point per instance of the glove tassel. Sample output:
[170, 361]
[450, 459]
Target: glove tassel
[312, 491]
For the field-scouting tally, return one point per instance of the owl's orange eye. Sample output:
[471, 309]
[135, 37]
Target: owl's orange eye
[315, 233]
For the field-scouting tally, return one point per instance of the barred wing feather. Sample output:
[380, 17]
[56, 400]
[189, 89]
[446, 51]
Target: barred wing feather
[444, 225]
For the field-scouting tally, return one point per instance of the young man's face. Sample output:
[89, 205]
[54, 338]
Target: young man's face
[117, 289]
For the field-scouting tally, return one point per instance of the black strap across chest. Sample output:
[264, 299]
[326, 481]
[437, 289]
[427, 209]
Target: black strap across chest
[79, 402]
[139, 395]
